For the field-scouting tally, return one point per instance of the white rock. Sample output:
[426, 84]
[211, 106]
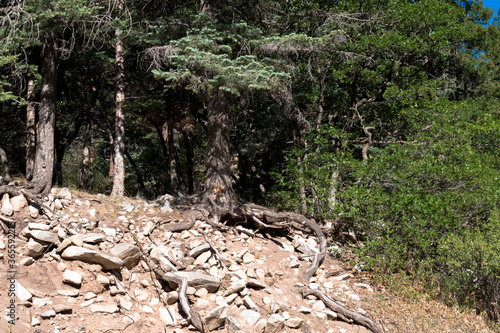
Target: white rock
[73, 278]
[319, 306]
[7, 208]
[216, 318]
[18, 202]
[165, 316]
[295, 322]
[275, 324]
[22, 294]
[250, 316]
[247, 301]
[105, 308]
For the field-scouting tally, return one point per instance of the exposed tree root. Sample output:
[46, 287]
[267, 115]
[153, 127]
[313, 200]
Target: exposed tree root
[349, 314]
[192, 316]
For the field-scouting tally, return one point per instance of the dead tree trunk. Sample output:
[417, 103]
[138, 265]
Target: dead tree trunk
[44, 160]
[119, 140]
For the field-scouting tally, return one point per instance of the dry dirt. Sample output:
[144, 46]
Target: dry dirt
[141, 299]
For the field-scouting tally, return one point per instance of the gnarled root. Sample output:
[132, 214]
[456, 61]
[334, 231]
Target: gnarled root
[192, 316]
[349, 314]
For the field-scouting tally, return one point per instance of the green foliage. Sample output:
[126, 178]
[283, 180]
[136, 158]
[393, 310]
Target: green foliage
[208, 60]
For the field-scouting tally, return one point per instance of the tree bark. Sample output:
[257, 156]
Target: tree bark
[142, 187]
[84, 170]
[189, 162]
[218, 184]
[173, 146]
[30, 130]
[44, 160]
[118, 189]
[5, 165]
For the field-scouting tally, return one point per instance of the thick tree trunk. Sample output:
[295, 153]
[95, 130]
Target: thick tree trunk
[30, 130]
[119, 140]
[44, 160]
[218, 184]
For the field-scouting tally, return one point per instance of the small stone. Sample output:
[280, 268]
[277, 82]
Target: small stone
[62, 308]
[93, 238]
[104, 308]
[48, 314]
[260, 326]
[250, 316]
[203, 258]
[45, 236]
[22, 294]
[26, 261]
[247, 301]
[330, 314]
[254, 283]
[201, 293]
[235, 287]
[64, 193]
[216, 318]
[69, 292]
[305, 310]
[34, 249]
[166, 317]
[34, 211]
[294, 322]
[130, 254]
[294, 263]
[35, 321]
[38, 226]
[102, 279]
[89, 295]
[77, 240]
[195, 252]
[248, 258]
[275, 324]
[7, 208]
[72, 277]
[116, 290]
[18, 202]
[354, 297]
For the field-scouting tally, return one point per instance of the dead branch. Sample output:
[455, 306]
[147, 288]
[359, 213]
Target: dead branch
[349, 314]
[214, 250]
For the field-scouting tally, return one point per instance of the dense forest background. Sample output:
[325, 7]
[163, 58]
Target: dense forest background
[379, 118]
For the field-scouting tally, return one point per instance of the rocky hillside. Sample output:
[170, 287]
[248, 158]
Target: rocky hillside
[85, 265]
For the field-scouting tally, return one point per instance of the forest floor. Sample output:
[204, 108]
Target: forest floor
[64, 294]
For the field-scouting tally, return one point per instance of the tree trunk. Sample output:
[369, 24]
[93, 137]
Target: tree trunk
[140, 180]
[173, 146]
[218, 184]
[119, 140]
[189, 162]
[84, 170]
[30, 130]
[44, 160]
[60, 151]
[5, 165]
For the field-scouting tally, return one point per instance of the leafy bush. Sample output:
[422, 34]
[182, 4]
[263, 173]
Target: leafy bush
[424, 207]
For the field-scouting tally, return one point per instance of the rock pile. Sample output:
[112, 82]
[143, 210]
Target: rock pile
[100, 255]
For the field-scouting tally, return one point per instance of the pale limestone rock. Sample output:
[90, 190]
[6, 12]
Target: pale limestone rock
[7, 208]
[275, 324]
[295, 322]
[80, 253]
[104, 308]
[216, 318]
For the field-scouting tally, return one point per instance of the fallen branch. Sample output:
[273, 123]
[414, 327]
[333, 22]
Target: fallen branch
[349, 314]
[214, 250]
